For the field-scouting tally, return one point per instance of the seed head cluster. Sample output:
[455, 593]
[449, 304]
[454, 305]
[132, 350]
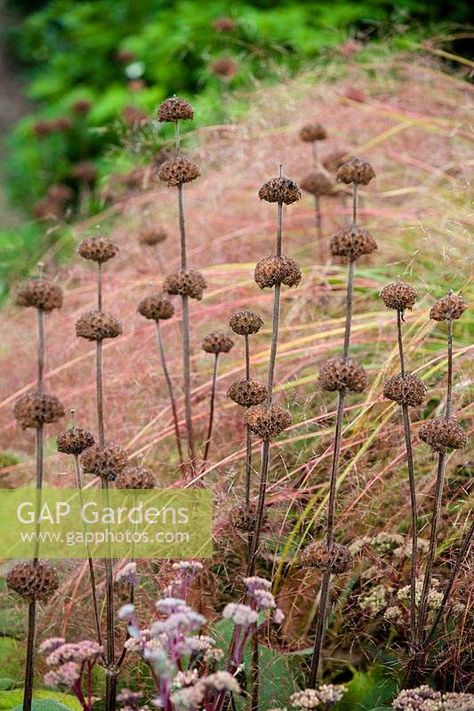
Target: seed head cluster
[106, 462]
[135, 478]
[217, 342]
[248, 392]
[406, 390]
[399, 296]
[156, 308]
[317, 555]
[442, 434]
[37, 409]
[98, 249]
[355, 171]
[274, 270]
[282, 190]
[40, 293]
[175, 109]
[338, 373]
[74, 440]
[313, 132]
[266, 421]
[177, 171]
[33, 582]
[98, 325]
[318, 182]
[451, 306]
[185, 283]
[351, 243]
[245, 323]
[151, 236]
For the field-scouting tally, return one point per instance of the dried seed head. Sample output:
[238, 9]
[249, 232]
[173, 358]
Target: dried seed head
[135, 478]
[442, 434]
[177, 171]
[245, 323]
[356, 171]
[313, 132]
[282, 190]
[449, 307]
[61, 193]
[224, 24]
[318, 183]
[97, 325]
[185, 283]
[33, 582]
[156, 307]
[41, 293]
[339, 374]
[98, 249]
[406, 390]
[36, 409]
[152, 236]
[267, 421]
[352, 242]
[81, 107]
[74, 440]
[244, 520]
[248, 392]
[175, 109]
[317, 555]
[417, 699]
[217, 342]
[105, 462]
[399, 296]
[274, 270]
[85, 171]
[333, 160]
[225, 67]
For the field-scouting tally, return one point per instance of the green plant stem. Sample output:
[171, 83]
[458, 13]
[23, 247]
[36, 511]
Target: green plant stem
[211, 411]
[171, 396]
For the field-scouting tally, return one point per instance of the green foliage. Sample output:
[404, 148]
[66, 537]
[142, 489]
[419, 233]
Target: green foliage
[44, 700]
[368, 690]
[10, 665]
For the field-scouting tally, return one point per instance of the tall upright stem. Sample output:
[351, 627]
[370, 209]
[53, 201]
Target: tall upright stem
[211, 411]
[248, 454]
[171, 396]
[349, 300]
[260, 508]
[30, 657]
[100, 392]
[355, 203]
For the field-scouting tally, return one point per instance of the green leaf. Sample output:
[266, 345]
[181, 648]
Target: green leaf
[10, 659]
[6, 683]
[368, 690]
[43, 700]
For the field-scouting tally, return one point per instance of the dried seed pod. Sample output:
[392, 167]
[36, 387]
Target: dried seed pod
[36, 409]
[245, 323]
[405, 389]
[106, 462]
[313, 132]
[317, 555]
[244, 520]
[451, 306]
[274, 270]
[40, 293]
[282, 190]
[225, 67]
[60, 193]
[185, 283]
[352, 242]
[152, 236]
[248, 392]
[333, 160]
[175, 109]
[217, 342]
[74, 440]
[33, 581]
[157, 307]
[399, 295]
[267, 421]
[97, 325]
[85, 171]
[356, 171]
[442, 434]
[339, 374]
[98, 249]
[177, 171]
[318, 182]
[135, 478]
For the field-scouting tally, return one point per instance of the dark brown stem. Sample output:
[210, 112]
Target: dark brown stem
[320, 627]
[254, 704]
[260, 508]
[99, 286]
[41, 341]
[211, 411]
[349, 300]
[169, 385]
[355, 203]
[274, 343]
[30, 657]
[449, 389]
[248, 455]
[100, 393]
[110, 671]
[182, 228]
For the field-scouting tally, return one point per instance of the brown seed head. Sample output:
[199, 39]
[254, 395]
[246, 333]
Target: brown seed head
[177, 171]
[33, 582]
[135, 478]
[267, 421]
[185, 283]
[248, 392]
[85, 171]
[175, 109]
[98, 249]
[60, 193]
[157, 307]
[356, 171]
[318, 182]
[217, 342]
[273, 270]
[451, 306]
[224, 24]
[442, 434]
[41, 293]
[81, 107]
[406, 390]
[244, 520]
[106, 462]
[351, 243]
[333, 160]
[399, 296]
[282, 190]
[74, 440]
[317, 555]
[313, 132]
[224, 67]
[152, 236]
[245, 323]
[35, 409]
[97, 325]
[339, 374]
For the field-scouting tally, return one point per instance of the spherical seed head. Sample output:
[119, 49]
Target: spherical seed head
[399, 295]
[318, 182]
[339, 374]
[245, 323]
[415, 699]
[317, 555]
[185, 283]
[97, 325]
[281, 189]
[81, 107]
[406, 390]
[85, 171]
[175, 109]
[244, 520]
[224, 24]
[61, 193]
[33, 582]
[135, 478]
[225, 67]
[313, 132]
[274, 270]
[351, 243]
[267, 421]
[106, 462]
[451, 306]
[36, 409]
[152, 236]
[177, 171]
[356, 171]
[333, 160]
[74, 440]
[442, 434]
[248, 392]
[40, 293]
[157, 307]
[217, 342]
[98, 249]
